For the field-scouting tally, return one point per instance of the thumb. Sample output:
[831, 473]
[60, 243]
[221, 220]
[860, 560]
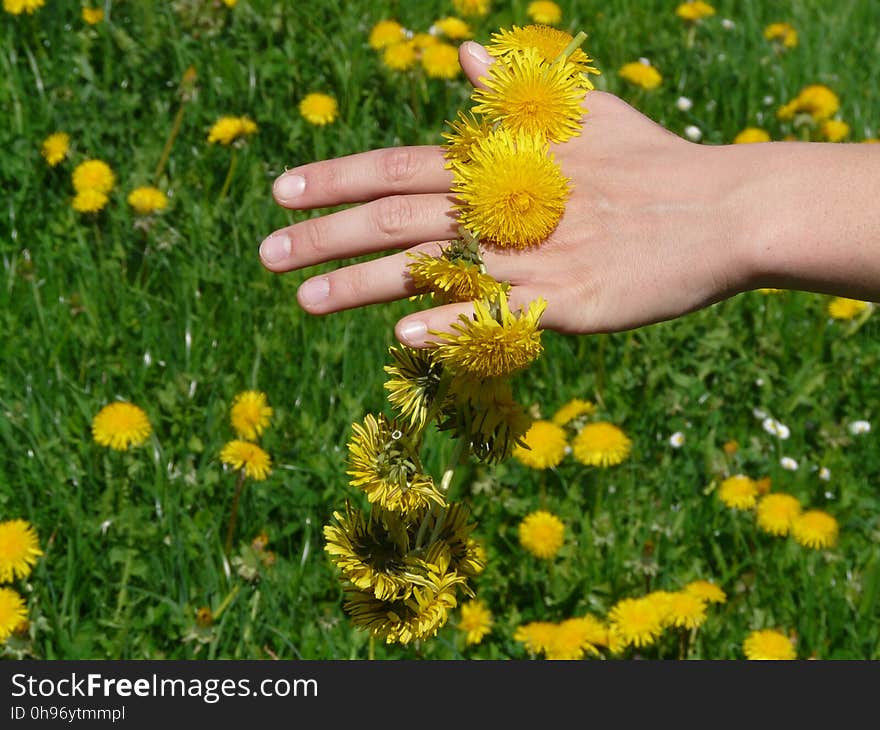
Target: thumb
[475, 61]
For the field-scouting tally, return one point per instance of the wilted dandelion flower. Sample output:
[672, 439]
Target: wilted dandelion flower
[834, 130]
[13, 612]
[641, 74]
[544, 446]
[440, 61]
[475, 621]
[250, 414]
[782, 33]
[319, 109]
[857, 428]
[523, 92]
[738, 492]
[706, 590]
[636, 621]
[246, 455]
[55, 148]
[817, 100]
[228, 129]
[93, 175]
[601, 444]
[776, 513]
[685, 610]
[400, 56]
[472, 8]
[768, 644]
[92, 16]
[17, 7]
[453, 28]
[386, 33]
[414, 383]
[451, 279]
[512, 193]
[19, 550]
[815, 529]
[89, 201]
[845, 308]
[694, 10]
[574, 409]
[549, 42]
[147, 200]
[542, 534]
[544, 12]
[120, 425]
[750, 135]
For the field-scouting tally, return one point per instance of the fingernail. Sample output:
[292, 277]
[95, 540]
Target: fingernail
[275, 248]
[478, 53]
[413, 333]
[314, 291]
[289, 187]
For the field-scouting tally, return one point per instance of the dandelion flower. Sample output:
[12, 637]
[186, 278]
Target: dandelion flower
[768, 644]
[228, 129]
[490, 346]
[386, 33]
[147, 200]
[19, 550]
[17, 7]
[572, 639]
[55, 148]
[400, 56]
[706, 590]
[776, 513]
[319, 109]
[92, 16]
[685, 610]
[738, 492]
[250, 414]
[815, 529]
[636, 621]
[536, 636]
[440, 61]
[549, 42]
[89, 201]
[120, 425]
[544, 12]
[750, 135]
[601, 444]
[475, 621]
[641, 74]
[246, 455]
[574, 409]
[542, 534]
[451, 280]
[421, 41]
[512, 193]
[817, 100]
[525, 93]
[93, 175]
[453, 28]
[414, 383]
[845, 308]
[783, 33]
[544, 446]
[472, 8]
[834, 130]
[694, 10]
[13, 612]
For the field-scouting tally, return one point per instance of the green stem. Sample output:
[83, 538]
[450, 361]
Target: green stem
[233, 160]
[571, 47]
[233, 513]
[169, 143]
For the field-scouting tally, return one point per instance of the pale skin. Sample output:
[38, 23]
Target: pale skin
[655, 227]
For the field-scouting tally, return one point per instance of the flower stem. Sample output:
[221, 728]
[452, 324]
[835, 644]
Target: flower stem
[571, 47]
[228, 181]
[169, 143]
[233, 513]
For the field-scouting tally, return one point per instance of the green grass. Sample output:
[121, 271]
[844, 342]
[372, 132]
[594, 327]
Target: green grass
[180, 317]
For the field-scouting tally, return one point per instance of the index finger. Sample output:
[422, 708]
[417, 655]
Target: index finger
[363, 177]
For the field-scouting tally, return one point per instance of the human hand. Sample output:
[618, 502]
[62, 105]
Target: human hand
[649, 232]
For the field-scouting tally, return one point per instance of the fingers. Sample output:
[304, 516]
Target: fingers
[475, 61]
[364, 176]
[392, 222]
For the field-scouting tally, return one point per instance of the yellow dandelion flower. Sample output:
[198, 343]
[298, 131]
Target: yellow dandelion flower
[490, 346]
[455, 280]
[572, 639]
[706, 590]
[92, 16]
[466, 131]
[783, 33]
[685, 610]
[636, 621]
[227, 130]
[55, 148]
[536, 636]
[453, 28]
[738, 492]
[319, 109]
[694, 10]
[871, 140]
[844, 308]
[19, 550]
[230, 3]
[440, 61]
[414, 383]
[817, 100]
[17, 7]
[525, 93]
[120, 425]
[246, 455]
[662, 602]
[512, 193]
[13, 612]
[422, 40]
[400, 56]
[250, 414]
[641, 74]
[386, 33]
[815, 529]
[544, 446]
[147, 200]
[601, 444]
[768, 644]
[472, 8]
[574, 409]
[93, 175]
[542, 534]
[776, 513]
[751, 135]
[549, 42]
[544, 12]
[834, 130]
[475, 621]
[89, 201]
